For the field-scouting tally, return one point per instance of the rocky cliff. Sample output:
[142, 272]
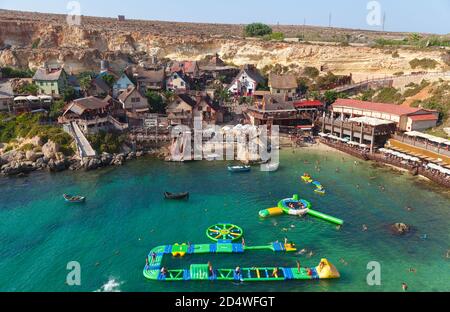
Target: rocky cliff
[32, 38]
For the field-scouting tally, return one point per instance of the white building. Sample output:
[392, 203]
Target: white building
[246, 82]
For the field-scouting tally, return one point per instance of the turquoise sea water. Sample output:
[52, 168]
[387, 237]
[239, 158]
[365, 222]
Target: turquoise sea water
[125, 216]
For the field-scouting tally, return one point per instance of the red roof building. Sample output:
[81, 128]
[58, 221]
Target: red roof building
[406, 118]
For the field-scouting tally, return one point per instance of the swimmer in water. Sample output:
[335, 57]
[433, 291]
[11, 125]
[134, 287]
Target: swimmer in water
[343, 261]
[404, 286]
[364, 228]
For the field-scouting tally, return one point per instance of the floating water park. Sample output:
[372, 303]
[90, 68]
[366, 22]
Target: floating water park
[297, 207]
[154, 270]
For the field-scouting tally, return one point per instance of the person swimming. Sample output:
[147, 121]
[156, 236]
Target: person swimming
[404, 286]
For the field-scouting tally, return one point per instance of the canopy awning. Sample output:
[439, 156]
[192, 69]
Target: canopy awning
[428, 137]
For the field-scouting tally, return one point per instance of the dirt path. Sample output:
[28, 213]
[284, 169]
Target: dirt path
[422, 95]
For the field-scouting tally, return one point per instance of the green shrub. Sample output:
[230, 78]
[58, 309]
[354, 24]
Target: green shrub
[36, 43]
[9, 72]
[27, 147]
[257, 30]
[28, 126]
[388, 95]
[413, 88]
[424, 63]
[106, 142]
[28, 88]
[311, 72]
[155, 102]
[277, 36]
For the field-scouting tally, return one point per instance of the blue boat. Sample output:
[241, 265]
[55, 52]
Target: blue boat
[74, 199]
[239, 168]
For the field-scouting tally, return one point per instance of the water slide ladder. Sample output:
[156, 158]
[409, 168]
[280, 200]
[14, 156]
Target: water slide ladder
[199, 272]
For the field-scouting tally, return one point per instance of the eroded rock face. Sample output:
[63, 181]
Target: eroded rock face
[42, 37]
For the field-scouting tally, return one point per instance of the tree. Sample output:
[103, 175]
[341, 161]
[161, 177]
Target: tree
[28, 89]
[311, 72]
[109, 79]
[303, 85]
[169, 96]
[85, 83]
[221, 94]
[56, 109]
[331, 96]
[315, 95]
[257, 30]
[69, 94]
[155, 101]
[9, 72]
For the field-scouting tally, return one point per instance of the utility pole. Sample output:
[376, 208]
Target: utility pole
[304, 26]
[329, 20]
[383, 22]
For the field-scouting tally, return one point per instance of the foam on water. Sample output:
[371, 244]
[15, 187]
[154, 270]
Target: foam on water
[112, 285]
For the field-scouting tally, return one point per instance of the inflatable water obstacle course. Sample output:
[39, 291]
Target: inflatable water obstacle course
[204, 272]
[224, 231]
[309, 180]
[297, 207]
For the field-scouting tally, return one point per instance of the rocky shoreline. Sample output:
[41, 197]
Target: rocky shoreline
[20, 163]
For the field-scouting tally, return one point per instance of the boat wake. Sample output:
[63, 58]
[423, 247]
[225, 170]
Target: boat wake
[112, 285]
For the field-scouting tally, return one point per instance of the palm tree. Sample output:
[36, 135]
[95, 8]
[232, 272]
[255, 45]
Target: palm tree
[85, 84]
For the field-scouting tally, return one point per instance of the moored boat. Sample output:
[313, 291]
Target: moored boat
[74, 199]
[239, 168]
[168, 195]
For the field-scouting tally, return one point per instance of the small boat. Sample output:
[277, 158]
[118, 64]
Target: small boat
[74, 199]
[168, 195]
[239, 168]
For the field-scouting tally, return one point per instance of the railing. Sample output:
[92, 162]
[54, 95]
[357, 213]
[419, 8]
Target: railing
[389, 78]
[343, 124]
[83, 144]
[118, 125]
